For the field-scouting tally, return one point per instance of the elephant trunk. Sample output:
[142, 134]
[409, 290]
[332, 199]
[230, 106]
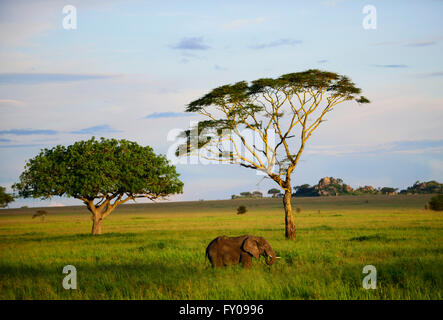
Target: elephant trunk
[270, 256]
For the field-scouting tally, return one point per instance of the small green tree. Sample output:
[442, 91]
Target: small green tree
[274, 192]
[436, 203]
[305, 190]
[257, 194]
[241, 210]
[5, 198]
[103, 174]
[388, 190]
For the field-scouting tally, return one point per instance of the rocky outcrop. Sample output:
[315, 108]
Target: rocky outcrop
[424, 188]
[329, 186]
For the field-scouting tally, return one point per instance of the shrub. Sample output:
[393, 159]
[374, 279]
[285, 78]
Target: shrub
[298, 210]
[241, 210]
[436, 203]
[40, 213]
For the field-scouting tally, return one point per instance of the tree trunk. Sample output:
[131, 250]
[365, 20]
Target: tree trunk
[96, 225]
[289, 217]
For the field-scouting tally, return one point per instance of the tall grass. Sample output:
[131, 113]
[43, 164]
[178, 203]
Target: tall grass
[157, 251]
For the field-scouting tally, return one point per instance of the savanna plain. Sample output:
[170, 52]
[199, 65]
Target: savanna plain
[157, 251]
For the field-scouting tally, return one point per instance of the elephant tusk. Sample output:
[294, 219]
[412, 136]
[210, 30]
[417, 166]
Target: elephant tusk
[278, 257]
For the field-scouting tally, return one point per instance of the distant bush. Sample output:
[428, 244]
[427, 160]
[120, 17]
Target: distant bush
[5, 198]
[298, 210]
[248, 195]
[41, 214]
[436, 203]
[241, 210]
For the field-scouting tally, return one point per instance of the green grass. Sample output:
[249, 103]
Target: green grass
[156, 251]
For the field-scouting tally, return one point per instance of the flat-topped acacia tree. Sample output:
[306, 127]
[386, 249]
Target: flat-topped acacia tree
[102, 173]
[282, 113]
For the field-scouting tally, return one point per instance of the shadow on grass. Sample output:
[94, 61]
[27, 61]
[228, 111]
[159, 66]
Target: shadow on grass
[42, 237]
[376, 237]
[316, 228]
[399, 279]
[94, 280]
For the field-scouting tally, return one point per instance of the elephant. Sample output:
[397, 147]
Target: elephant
[226, 251]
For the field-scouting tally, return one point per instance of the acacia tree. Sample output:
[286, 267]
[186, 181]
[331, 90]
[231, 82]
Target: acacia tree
[102, 173]
[283, 113]
[274, 191]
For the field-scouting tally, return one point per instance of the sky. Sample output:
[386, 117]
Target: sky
[129, 68]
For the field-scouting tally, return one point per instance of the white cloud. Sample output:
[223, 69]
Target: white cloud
[23, 20]
[331, 3]
[10, 102]
[393, 147]
[239, 23]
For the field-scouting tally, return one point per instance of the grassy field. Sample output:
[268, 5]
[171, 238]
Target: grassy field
[156, 251]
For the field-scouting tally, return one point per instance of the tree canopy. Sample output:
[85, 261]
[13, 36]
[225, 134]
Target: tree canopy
[102, 173]
[274, 191]
[266, 106]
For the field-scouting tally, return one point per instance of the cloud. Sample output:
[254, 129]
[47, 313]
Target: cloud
[322, 61]
[5, 140]
[417, 146]
[27, 132]
[159, 115]
[219, 68]
[418, 43]
[394, 147]
[19, 22]
[191, 43]
[10, 102]
[277, 43]
[386, 43]
[331, 3]
[235, 24]
[421, 44]
[11, 146]
[36, 78]
[430, 74]
[96, 130]
[392, 66]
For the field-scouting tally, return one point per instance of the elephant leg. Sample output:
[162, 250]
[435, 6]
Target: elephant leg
[215, 261]
[218, 262]
[246, 261]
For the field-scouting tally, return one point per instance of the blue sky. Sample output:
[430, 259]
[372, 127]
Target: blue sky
[130, 68]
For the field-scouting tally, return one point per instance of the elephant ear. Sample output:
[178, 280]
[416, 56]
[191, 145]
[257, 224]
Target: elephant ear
[250, 245]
